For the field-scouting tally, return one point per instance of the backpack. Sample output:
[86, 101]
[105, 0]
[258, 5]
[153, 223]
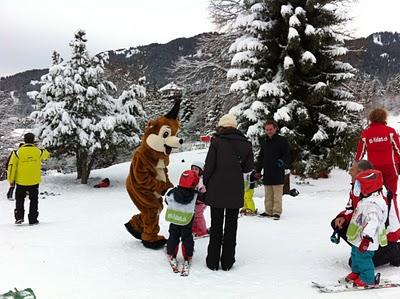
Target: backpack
[370, 181]
[9, 157]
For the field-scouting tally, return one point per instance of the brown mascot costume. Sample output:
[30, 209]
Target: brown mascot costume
[148, 177]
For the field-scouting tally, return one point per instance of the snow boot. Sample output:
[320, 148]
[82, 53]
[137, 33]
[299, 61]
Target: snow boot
[134, 233]
[359, 283]
[352, 277]
[155, 244]
[265, 214]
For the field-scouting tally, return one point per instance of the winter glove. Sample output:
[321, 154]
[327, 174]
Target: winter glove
[255, 176]
[10, 192]
[363, 247]
[279, 163]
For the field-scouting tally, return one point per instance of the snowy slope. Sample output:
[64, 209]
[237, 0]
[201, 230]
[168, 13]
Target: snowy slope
[80, 249]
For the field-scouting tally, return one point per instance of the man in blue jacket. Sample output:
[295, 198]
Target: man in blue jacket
[272, 159]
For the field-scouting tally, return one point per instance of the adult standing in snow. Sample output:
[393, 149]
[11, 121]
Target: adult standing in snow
[272, 159]
[24, 171]
[382, 146]
[387, 254]
[230, 155]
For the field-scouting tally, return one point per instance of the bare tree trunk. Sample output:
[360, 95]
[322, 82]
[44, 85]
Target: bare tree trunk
[78, 165]
[90, 165]
[84, 168]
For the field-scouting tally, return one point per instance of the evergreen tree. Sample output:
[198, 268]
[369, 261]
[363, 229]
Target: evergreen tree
[56, 58]
[186, 110]
[213, 115]
[286, 68]
[76, 115]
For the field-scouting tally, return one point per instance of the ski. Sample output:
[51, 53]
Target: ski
[348, 286]
[185, 268]
[173, 262]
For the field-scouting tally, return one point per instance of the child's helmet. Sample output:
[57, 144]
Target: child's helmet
[189, 179]
[198, 164]
[370, 181]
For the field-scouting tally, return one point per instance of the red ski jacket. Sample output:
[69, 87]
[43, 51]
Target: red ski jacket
[381, 143]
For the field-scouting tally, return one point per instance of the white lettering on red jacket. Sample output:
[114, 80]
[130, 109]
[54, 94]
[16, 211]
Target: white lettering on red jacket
[381, 144]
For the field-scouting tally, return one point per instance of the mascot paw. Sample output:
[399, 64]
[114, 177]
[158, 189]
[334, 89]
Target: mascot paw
[154, 244]
[134, 233]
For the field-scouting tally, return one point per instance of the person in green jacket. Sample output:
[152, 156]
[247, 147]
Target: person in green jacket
[24, 172]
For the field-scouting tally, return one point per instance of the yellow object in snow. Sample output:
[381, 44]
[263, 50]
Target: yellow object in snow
[25, 165]
[248, 200]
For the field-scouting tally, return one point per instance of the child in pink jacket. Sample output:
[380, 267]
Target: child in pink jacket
[199, 228]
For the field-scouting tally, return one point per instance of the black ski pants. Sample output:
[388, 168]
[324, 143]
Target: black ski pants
[20, 194]
[384, 255]
[222, 238]
[182, 233]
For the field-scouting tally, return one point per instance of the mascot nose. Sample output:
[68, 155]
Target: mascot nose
[180, 140]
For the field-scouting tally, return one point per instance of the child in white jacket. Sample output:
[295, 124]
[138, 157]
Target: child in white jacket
[366, 230]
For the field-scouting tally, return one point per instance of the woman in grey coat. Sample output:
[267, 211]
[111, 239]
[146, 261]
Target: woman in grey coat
[230, 156]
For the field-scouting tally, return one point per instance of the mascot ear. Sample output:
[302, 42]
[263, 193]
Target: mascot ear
[173, 114]
[151, 124]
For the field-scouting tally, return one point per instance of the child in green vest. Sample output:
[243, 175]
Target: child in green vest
[181, 204]
[249, 208]
[366, 230]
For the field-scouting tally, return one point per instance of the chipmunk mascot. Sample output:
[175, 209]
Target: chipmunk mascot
[148, 177]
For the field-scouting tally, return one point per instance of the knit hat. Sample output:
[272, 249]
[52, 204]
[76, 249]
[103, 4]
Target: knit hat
[228, 120]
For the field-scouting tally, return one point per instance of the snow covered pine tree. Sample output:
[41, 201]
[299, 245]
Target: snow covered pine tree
[75, 115]
[286, 68]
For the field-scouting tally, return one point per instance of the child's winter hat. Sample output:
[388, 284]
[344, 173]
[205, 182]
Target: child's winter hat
[189, 179]
[198, 164]
[228, 120]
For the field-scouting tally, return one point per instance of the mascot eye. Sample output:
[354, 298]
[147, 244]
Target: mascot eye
[165, 135]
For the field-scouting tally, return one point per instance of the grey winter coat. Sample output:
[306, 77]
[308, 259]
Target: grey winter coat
[229, 156]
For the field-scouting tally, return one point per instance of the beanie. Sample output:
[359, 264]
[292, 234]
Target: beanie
[228, 120]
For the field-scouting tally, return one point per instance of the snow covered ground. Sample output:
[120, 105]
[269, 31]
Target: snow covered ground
[80, 249]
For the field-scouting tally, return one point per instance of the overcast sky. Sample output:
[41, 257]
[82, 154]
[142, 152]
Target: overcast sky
[31, 29]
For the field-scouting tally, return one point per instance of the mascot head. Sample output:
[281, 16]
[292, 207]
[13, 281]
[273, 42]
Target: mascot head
[160, 133]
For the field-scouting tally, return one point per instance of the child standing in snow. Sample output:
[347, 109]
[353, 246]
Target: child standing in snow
[199, 228]
[181, 202]
[366, 230]
[249, 208]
